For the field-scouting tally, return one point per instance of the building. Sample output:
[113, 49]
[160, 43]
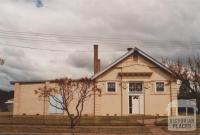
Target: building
[134, 84]
[9, 104]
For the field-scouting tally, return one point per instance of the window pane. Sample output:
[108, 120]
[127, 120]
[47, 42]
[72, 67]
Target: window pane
[111, 86]
[130, 110]
[52, 108]
[130, 101]
[182, 111]
[131, 86]
[159, 86]
[138, 87]
[130, 104]
[59, 97]
[190, 111]
[135, 87]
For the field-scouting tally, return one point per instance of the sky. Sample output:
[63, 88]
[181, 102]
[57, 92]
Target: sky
[54, 38]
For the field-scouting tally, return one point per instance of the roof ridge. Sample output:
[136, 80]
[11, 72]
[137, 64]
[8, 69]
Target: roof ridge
[126, 55]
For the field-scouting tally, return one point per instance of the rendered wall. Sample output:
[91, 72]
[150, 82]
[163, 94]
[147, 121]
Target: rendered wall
[27, 102]
[117, 103]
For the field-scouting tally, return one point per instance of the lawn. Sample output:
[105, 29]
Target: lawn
[63, 120]
[64, 129]
[60, 124]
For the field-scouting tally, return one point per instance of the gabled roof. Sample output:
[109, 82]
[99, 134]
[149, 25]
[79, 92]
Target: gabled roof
[130, 52]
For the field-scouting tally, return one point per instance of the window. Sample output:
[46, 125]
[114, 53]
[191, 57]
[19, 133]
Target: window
[190, 111]
[182, 111]
[53, 109]
[135, 87]
[111, 86]
[160, 86]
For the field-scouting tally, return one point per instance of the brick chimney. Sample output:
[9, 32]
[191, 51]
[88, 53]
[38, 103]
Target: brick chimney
[96, 60]
[99, 65]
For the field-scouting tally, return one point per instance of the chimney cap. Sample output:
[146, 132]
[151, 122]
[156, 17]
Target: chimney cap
[129, 49]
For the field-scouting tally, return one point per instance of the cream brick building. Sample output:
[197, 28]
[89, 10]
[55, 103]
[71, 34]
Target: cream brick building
[133, 84]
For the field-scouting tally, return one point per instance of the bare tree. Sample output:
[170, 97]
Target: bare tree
[188, 73]
[73, 94]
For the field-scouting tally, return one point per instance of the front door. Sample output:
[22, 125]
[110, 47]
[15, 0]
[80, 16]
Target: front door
[136, 104]
[136, 98]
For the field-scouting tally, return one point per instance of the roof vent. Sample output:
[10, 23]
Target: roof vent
[129, 49]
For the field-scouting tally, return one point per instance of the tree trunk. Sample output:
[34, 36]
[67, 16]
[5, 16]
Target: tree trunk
[72, 123]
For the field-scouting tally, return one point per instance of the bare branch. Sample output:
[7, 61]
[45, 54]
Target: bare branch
[189, 75]
[71, 91]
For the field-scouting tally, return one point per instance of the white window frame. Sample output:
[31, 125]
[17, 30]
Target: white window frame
[107, 87]
[136, 82]
[156, 87]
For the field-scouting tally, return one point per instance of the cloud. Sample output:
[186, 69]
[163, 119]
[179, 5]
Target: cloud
[84, 61]
[152, 25]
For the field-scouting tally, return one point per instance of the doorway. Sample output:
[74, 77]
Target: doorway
[136, 98]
